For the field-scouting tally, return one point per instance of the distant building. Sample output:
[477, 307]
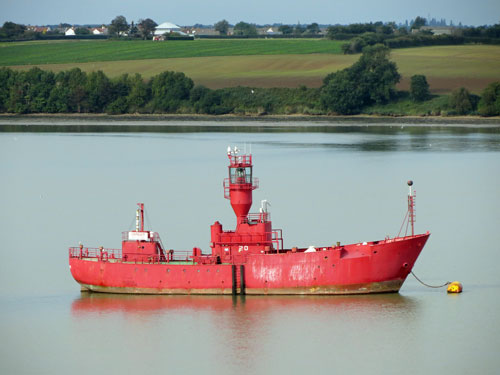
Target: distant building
[194, 31]
[70, 32]
[99, 31]
[169, 28]
[268, 31]
[436, 30]
[39, 29]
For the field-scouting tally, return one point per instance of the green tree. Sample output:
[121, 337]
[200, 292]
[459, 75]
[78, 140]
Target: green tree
[6, 78]
[378, 75]
[222, 27]
[82, 31]
[147, 28]
[356, 45]
[299, 29]
[134, 31]
[286, 29]
[419, 88]
[168, 90]
[489, 105]
[117, 106]
[75, 81]
[245, 29]
[372, 79]
[118, 26]
[197, 93]
[462, 101]
[29, 91]
[99, 91]
[342, 94]
[418, 23]
[312, 29]
[139, 94]
[58, 99]
[12, 30]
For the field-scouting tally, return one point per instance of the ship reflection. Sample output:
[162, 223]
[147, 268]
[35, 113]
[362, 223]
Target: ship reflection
[238, 330]
[89, 303]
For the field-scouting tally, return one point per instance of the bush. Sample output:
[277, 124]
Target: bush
[462, 101]
[342, 94]
[489, 105]
[117, 107]
[419, 88]
[168, 90]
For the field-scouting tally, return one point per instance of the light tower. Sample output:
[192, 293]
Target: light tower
[240, 184]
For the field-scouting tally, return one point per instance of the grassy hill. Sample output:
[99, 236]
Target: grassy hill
[256, 63]
[63, 52]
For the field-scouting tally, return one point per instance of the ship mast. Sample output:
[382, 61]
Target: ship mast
[139, 218]
[411, 206]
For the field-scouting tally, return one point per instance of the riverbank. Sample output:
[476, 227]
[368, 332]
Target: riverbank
[103, 122]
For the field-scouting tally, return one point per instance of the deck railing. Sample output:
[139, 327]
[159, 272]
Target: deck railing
[260, 217]
[116, 255]
[93, 252]
[240, 159]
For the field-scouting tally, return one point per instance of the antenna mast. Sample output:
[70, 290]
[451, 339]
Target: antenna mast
[139, 218]
[411, 206]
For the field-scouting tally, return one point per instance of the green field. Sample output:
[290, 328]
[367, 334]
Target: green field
[256, 63]
[63, 52]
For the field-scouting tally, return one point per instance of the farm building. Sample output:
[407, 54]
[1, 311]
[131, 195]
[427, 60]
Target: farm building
[99, 31]
[167, 27]
[70, 32]
[270, 31]
[436, 30]
[39, 29]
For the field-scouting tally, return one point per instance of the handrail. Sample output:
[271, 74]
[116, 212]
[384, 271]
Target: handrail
[93, 252]
[240, 159]
[260, 217]
[116, 255]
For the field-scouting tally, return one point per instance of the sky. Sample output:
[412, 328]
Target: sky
[190, 12]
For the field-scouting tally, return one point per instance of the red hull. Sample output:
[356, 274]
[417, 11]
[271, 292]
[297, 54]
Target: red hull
[375, 267]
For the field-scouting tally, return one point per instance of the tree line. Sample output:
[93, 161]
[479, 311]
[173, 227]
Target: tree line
[371, 80]
[360, 35]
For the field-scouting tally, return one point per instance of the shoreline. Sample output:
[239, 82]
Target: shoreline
[9, 122]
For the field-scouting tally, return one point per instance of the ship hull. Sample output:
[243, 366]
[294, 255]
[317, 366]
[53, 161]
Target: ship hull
[391, 286]
[375, 267]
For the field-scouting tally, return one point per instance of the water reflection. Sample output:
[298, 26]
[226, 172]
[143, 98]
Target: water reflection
[400, 143]
[90, 303]
[254, 332]
[365, 138]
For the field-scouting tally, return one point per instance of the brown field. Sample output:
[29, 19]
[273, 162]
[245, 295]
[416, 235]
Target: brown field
[446, 68]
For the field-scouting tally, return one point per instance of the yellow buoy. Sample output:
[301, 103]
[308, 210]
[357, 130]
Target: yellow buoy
[455, 287]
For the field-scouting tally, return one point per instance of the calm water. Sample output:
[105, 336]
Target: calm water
[324, 186]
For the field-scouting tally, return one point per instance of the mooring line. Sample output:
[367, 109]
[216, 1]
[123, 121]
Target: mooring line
[430, 286]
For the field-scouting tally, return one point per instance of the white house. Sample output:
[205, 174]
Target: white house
[100, 31]
[70, 32]
[168, 27]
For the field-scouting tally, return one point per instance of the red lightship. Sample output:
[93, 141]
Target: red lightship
[248, 260]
